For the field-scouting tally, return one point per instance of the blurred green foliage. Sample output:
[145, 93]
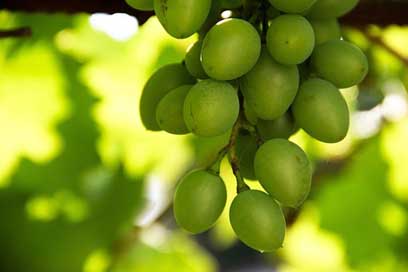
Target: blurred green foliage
[76, 163]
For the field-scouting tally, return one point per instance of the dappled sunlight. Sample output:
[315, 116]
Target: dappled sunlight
[32, 102]
[309, 248]
[396, 152]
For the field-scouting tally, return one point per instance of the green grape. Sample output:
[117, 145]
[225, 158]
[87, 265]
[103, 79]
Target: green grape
[258, 220]
[284, 171]
[290, 39]
[169, 113]
[340, 62]
[182, 18]
[326, 30]
[140, 4]
[292, 6]
[230, 49]
[211, 108]
[326, 9]
[270, 88]
[283, 127]
[246, 148]
[321, 111]
[250, 114]
[199, 201]
[193, 62]
[161, 83]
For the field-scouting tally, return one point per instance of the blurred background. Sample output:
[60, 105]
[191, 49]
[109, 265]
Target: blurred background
[84, 187]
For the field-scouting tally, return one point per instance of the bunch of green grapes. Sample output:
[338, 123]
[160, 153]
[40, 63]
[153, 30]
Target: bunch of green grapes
[271, 68]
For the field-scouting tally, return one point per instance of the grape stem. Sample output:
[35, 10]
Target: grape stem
[233, 158]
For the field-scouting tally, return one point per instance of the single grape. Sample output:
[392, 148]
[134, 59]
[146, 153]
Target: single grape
[258, 220]
[321, 111]
[199, 201]
[340, 62]
[230, 49]
[211, 108]
[140, 4]
[284, 171]
[169, 113]
[290, 39]
[292, 6]
[246, 148]
[207, 149]
[182, 18]
[161, 83]
[326, 30]
[282, 127]
[270, 88]
[327, 9]
[193, 62]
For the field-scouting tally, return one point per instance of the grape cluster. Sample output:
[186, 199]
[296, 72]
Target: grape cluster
[271, 68]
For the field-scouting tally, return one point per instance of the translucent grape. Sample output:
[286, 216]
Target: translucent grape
[321, 111]
[284, 171]
[258, 220]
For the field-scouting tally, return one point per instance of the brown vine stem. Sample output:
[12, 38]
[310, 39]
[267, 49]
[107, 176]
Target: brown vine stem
[376, 39]
[20, 32]
[233, 157]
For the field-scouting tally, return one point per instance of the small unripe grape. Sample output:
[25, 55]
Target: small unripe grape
[284, 171]
[290, 39]
[270, 88]
[282, 127]
[211, 108]
[326, 9]
[140, 4]
[340, 62]
[258, 220]
[230, 49]
[321, 111]
[161, 83]
[326, 30]
[292, 6]
[182, 18]
[193, 62]
[199, 201]
[246, 148]
[169, 113]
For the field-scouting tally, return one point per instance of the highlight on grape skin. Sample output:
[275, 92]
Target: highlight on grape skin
[257, 73]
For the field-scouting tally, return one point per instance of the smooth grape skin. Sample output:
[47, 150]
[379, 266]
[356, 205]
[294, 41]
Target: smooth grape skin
[258, 220]
[290, 39]
[193, 62]
[292, 6]
[169, 113]
[141, 4]
[161, 83]
[230, 49]
[182, 18]
[327, 9]
[270, 88]
[321, 111]
[211, 108]
[283, 127]
[326, 30]
[199, 200]
[340, 62]
[246, 148]
[284, 171]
